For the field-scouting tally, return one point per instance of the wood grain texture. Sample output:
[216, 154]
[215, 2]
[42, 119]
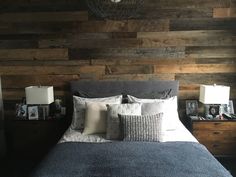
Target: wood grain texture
[50, 70]
[53, 42]
[34, 54]
[44, 17]
[22, 81]
[195, 68]
[224, 12]
[118, 53]
[202, 24]
[211, 52]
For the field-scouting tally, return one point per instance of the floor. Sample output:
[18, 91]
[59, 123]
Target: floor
[22, 168]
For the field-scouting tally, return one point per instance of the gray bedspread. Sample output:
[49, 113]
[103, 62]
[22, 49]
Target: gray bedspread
[130, 159]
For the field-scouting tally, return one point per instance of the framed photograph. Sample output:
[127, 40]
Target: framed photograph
[227, 108]
[231, 107]
[33, 112]
[192, 107]
[21, 111]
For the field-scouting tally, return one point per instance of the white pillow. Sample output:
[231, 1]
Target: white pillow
[95, 118]
[113, 121]
[79, 108]
[169, 108]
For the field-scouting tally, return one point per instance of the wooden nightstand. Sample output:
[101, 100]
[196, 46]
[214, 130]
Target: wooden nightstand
[33, 138]
[219, 136]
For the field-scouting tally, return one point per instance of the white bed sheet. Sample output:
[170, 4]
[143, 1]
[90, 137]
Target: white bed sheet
[179, 134]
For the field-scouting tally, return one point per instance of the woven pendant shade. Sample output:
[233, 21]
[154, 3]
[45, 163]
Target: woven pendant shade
[115, 9]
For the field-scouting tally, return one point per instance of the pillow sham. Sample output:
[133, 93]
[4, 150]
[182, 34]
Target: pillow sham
[113, 121]
[141, 128]
[79, 108]
[95, 118]
[168, 106]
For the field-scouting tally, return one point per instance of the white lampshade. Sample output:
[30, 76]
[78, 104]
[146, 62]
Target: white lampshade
[214, 94]
[39, 95]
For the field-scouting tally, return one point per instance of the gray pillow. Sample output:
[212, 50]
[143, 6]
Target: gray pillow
[113, 121]
[79, 104]
[141, 128]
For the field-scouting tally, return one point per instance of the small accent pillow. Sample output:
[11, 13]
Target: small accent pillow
[79, 108]
[113, 121]
[152, 108]
[95, 118]
[141, 128]
[168, 106]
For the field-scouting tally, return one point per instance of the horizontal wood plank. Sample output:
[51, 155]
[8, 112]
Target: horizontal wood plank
[219, 79]
[145, 69]
[224, 12]
[211, 52]
[117, 53]
[50, 70]
[34, 54]
[195, 68]
[188, 38]
[22, 81]
[156, 12]
[44, 16]
[202, 24]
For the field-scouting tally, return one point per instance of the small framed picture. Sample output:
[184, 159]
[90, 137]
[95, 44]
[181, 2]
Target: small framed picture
[231, 107]
[192, 107]
[227, 108]
[21, 111]
[33, 112]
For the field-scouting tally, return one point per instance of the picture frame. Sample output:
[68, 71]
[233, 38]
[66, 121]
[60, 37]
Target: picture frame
[192, 107]
[227, 108]
[33, 113]
[21, 111]
[231, 107]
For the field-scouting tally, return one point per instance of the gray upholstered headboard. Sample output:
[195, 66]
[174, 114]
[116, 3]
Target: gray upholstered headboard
[141, 89]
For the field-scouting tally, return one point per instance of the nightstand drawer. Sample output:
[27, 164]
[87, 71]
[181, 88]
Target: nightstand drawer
[217, 135]
[231, 126]
[219, 148]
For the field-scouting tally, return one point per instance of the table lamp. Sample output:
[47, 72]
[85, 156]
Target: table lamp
[40, 95]
[213, 96]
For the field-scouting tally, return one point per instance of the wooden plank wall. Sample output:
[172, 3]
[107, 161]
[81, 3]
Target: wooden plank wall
[52, 42]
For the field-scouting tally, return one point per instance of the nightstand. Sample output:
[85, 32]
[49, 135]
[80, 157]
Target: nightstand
[33, 138]
[219, 136]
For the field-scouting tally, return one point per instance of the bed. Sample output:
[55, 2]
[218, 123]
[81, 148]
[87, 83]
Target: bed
[176, 153]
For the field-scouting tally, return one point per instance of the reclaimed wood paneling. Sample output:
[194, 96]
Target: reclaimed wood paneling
[196, 68]
[202, 24]
[44, 17]
[119, 53]
[224, 12]
[53, 42]
[34, 54]
[50, 70]
[211, 52]
[22, 81]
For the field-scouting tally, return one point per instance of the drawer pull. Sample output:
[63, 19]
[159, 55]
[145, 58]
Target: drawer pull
[216, 133]
[217, 123]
